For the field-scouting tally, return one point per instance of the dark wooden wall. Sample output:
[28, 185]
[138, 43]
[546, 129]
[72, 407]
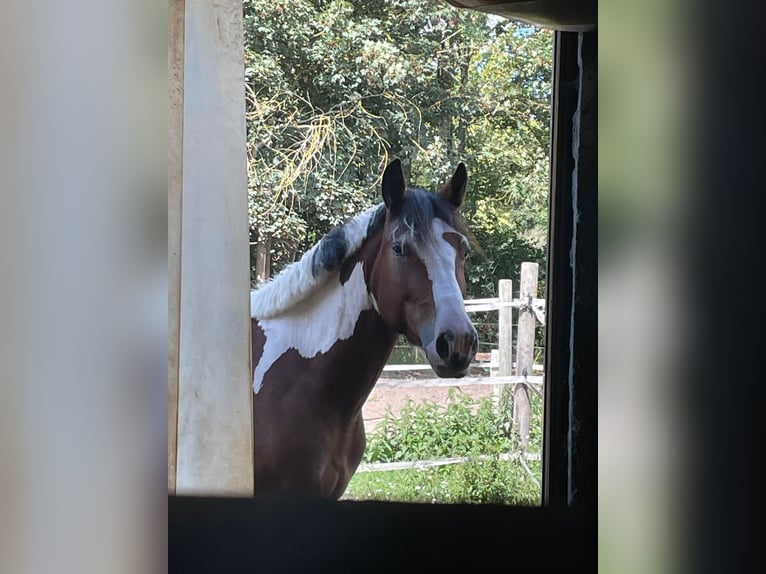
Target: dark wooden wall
[234, 535]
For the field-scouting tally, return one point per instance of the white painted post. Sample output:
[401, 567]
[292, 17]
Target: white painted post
[504, 335]
[494, 362]
[525, 349]
[214, 433]
[175, 189]
[493, 372]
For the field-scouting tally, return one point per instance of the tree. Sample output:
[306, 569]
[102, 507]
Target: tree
[509, 152]
[335, 89]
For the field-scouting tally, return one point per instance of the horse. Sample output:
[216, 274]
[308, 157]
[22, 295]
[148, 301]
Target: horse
[323, 329]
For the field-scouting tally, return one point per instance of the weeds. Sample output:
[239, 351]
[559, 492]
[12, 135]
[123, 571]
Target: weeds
[462, 427]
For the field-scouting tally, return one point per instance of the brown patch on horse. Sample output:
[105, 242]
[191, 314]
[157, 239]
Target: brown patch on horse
[454, 190]
[366, 255]
[308, 419]
[404, 299]
[257, 340]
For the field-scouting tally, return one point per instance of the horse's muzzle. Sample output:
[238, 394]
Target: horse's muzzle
[451, 354]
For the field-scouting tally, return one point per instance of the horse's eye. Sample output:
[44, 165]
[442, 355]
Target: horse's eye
[398, 249]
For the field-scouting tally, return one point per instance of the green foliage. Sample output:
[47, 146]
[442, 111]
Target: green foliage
[463, 427]
[460, 428]
[335, 89]
[480, 482]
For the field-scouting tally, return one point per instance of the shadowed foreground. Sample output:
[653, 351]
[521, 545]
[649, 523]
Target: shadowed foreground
[243, 535]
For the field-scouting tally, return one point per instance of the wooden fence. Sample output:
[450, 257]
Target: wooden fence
[503, 369]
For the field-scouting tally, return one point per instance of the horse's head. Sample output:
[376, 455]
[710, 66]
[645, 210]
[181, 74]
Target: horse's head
[418, 280]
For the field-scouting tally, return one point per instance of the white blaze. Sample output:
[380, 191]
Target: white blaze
[438, 255]
[313, 326]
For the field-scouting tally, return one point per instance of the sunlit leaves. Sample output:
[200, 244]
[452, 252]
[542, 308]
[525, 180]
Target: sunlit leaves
[334, 89]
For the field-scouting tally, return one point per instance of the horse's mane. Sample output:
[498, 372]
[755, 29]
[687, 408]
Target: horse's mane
[303, 277]
[300, 279]
[420, 207]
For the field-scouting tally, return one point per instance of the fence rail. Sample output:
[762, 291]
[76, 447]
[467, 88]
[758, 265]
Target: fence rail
[425, 367]
[423, 464]
[479, 305]
[465, 381]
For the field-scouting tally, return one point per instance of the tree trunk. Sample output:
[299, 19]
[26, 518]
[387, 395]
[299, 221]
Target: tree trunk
[263, 258]
[444, 81]
[462, 129]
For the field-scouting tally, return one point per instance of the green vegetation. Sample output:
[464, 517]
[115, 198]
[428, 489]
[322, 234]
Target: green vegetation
[485, 482]
[463, 427]
[335, 89]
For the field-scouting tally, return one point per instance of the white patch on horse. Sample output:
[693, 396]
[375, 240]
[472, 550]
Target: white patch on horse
[313, 326]
[297, 281]
[438, 255]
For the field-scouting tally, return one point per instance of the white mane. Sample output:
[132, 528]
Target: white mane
[297, 281]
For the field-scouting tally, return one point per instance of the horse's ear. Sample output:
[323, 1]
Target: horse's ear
[454, 190]
[393, 186]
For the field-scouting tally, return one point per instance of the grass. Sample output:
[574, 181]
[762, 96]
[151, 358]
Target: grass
[462, 427]
[485, 482]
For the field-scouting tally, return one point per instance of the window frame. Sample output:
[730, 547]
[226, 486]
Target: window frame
[237, 533]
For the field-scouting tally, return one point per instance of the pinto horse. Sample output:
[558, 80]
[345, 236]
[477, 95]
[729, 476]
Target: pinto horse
[323, 329]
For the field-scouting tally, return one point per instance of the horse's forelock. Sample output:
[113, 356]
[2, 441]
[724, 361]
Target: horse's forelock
[420, 207]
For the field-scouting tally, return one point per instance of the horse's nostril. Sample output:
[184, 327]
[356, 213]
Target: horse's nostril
[442, 344]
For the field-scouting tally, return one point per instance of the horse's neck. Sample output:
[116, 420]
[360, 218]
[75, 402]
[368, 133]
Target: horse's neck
[365, 355]
[353, 366]
[338, 328]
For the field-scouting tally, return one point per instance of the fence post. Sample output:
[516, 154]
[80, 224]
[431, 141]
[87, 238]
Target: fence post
[504, 336]
[494, 362]
[525, 352]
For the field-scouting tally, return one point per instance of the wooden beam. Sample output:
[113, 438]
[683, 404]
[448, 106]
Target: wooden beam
[176, 10]
[215, 398]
